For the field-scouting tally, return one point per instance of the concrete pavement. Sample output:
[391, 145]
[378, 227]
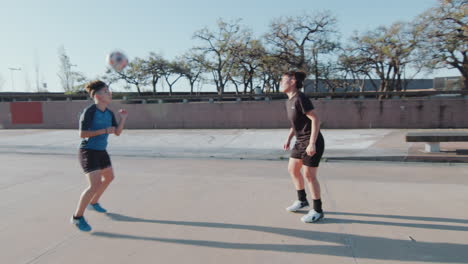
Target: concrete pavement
[232, 211]
[185, 196]
[253, 144]
[229, 144]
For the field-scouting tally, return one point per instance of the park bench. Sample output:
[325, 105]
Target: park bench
[433, 139]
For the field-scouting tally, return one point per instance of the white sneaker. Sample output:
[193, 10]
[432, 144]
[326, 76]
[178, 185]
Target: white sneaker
[297, 205]
[312, 217]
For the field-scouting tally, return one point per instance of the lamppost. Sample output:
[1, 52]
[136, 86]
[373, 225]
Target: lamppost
[12, 79]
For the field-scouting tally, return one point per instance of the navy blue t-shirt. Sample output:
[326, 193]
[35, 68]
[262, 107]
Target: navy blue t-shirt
[93, 119]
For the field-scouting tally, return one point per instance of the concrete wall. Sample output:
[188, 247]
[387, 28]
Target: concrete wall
[428, 113]
[415, 84]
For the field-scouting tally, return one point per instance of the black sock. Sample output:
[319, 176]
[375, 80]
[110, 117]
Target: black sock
[318, 206]
[74, 217]
[301, 195]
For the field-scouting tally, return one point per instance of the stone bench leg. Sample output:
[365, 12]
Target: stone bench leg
[432, 147]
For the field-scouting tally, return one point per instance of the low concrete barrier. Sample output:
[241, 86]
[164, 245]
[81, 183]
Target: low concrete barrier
[339, 114]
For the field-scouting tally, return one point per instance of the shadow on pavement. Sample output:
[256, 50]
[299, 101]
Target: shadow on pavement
[375, 247]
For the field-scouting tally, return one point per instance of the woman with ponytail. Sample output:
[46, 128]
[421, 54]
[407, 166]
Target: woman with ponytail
[309, 146]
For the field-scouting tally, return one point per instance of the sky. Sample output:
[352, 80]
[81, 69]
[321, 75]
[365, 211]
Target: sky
[32, 31]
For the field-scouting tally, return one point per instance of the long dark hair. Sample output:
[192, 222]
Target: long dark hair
[299, 76]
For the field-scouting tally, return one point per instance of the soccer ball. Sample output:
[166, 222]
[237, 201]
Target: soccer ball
[117, 60]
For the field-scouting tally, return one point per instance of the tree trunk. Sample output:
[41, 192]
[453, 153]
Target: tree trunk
[155, 82]
[237, 87]
[399, 83]
[138, 89]
[246, 86]
[465, 83]
[383, 85]
[465, 79]
[221, 89]
[277, 86]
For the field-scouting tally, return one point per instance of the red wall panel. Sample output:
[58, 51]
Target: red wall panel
[26, 113]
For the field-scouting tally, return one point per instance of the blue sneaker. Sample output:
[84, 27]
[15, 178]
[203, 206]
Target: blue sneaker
[97, 207]
[81, 224]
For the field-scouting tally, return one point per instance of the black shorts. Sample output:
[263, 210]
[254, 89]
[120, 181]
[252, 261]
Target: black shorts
[299, 151]
[93, 160]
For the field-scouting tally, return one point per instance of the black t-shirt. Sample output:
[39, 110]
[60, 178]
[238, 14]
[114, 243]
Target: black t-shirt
[297, 107]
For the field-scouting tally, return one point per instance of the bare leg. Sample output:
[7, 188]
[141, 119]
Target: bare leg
[310, 174]
[294, 169]
[107, 178]
[94, 179]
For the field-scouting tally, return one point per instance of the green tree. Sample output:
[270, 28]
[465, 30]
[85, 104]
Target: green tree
[154, 67]
[270, 71]
[444, 43]
[65, 74]
[192, 67]
[134, 74]
[296, 40]
[172, 71]
[217, 49]
[386, 53]
[80, 82]
[248, 53]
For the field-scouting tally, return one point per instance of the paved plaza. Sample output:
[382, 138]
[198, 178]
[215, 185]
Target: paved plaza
[220, 197]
